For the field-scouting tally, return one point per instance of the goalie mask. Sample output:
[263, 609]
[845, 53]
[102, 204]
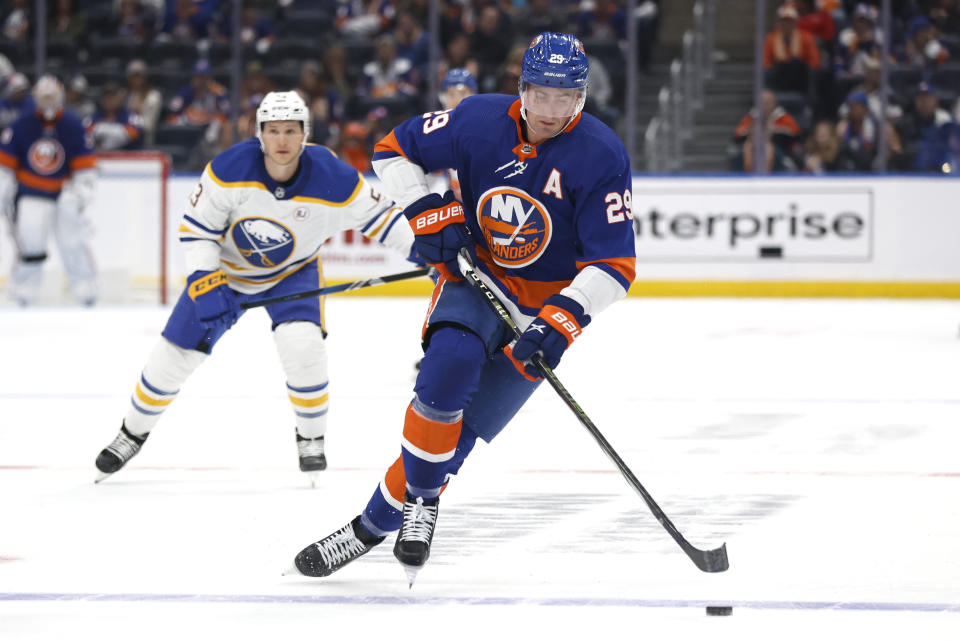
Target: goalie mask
[283, 105]
[557, 63]
[48, 94]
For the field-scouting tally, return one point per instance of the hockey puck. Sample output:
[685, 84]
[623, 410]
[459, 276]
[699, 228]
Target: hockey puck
[719, 610]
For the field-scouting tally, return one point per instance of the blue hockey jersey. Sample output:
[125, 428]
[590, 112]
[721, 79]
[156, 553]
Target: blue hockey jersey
[44, 154]
[542, 215]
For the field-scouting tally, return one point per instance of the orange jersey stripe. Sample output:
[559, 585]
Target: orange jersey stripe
[396, 480]
[8, 161]
[34, 181]
[626, 266]
[433, 303]
[389, 143]
[83, 162]
[432, 437]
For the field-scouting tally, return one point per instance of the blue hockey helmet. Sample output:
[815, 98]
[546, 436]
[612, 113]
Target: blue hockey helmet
[555, 60]
[459, 76]
[558, 63]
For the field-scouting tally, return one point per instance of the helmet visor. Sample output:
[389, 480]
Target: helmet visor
[552, 102]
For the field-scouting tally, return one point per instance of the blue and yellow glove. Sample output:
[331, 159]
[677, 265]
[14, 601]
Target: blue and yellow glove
[214, 299]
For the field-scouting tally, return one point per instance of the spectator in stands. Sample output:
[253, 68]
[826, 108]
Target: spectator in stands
[458, 53]
[774, 159]
[647, 19]
[871, 88]
[364, 18]
[16, 99]
[413, 43]
[256, 30]
[354, 146]
[66, 22]
[246, 125]
[335, 74]
[16, 21]
[925, 131]
[821, 149]
[603, 19]
[187, 20]
[143, 99]
[76, 98]
[945, 16]
[779, 127]
[922, 49]
[200, 102]
[601, 91]
[320, 100]
[817, 22]
[386, 76]
[789, 54]
[858, 43]
[113, 126]
[537, 16]
[136, 21]
[255, 81]
[858, 136]
[489, 44]
[508, 76]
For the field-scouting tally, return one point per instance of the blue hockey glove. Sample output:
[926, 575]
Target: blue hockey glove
[559, 322]
[441, 231]
[213, 298]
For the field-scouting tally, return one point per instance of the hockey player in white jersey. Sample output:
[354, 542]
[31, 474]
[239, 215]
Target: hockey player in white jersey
[253, 229]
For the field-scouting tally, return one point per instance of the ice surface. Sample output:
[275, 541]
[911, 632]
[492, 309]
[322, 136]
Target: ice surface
[819, 439]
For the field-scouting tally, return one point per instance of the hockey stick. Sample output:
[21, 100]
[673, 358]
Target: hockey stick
[333, 289]
[706, 560]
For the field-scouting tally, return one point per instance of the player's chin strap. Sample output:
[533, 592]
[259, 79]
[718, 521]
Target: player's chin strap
[706, 560]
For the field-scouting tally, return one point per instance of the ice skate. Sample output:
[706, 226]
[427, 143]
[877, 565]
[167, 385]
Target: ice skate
[312, 459]
[328, 555]
[412, 548]
[114, 456]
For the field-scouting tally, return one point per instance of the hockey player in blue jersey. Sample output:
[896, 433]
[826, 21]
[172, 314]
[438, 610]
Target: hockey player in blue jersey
[253, 229]
[546, 213]
[47, 179]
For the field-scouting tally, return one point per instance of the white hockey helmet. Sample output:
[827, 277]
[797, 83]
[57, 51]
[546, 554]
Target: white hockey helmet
[283, 105]
[48, 94]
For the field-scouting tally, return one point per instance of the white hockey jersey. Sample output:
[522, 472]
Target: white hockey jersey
[259, 231]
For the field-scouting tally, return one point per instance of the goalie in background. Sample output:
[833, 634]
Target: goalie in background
[47, 179]
[252, 229]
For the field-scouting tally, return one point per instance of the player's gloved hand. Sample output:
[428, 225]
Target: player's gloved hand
[215, 303]
[441, 231]
[559, 322]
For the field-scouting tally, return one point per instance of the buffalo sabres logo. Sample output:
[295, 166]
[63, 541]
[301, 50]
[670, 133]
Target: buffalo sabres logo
[46, 156]
[516, 226]
[263, 242]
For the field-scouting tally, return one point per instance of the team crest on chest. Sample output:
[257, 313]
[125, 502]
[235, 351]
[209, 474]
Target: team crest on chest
[46, 156]
[516, 226]
[263, 242]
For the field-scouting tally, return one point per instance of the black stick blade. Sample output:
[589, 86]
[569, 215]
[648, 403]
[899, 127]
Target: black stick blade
[709, 560]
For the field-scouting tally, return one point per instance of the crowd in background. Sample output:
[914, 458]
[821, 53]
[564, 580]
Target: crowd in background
[823, 106]
[154, 73]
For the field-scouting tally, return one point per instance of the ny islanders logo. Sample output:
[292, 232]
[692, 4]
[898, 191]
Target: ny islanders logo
[263, 242]
[516, 226]
[46, 156]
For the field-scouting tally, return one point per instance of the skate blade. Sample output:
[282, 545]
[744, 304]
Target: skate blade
[314, 479]
[101, 476]
[412, 571]
[291, 570]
